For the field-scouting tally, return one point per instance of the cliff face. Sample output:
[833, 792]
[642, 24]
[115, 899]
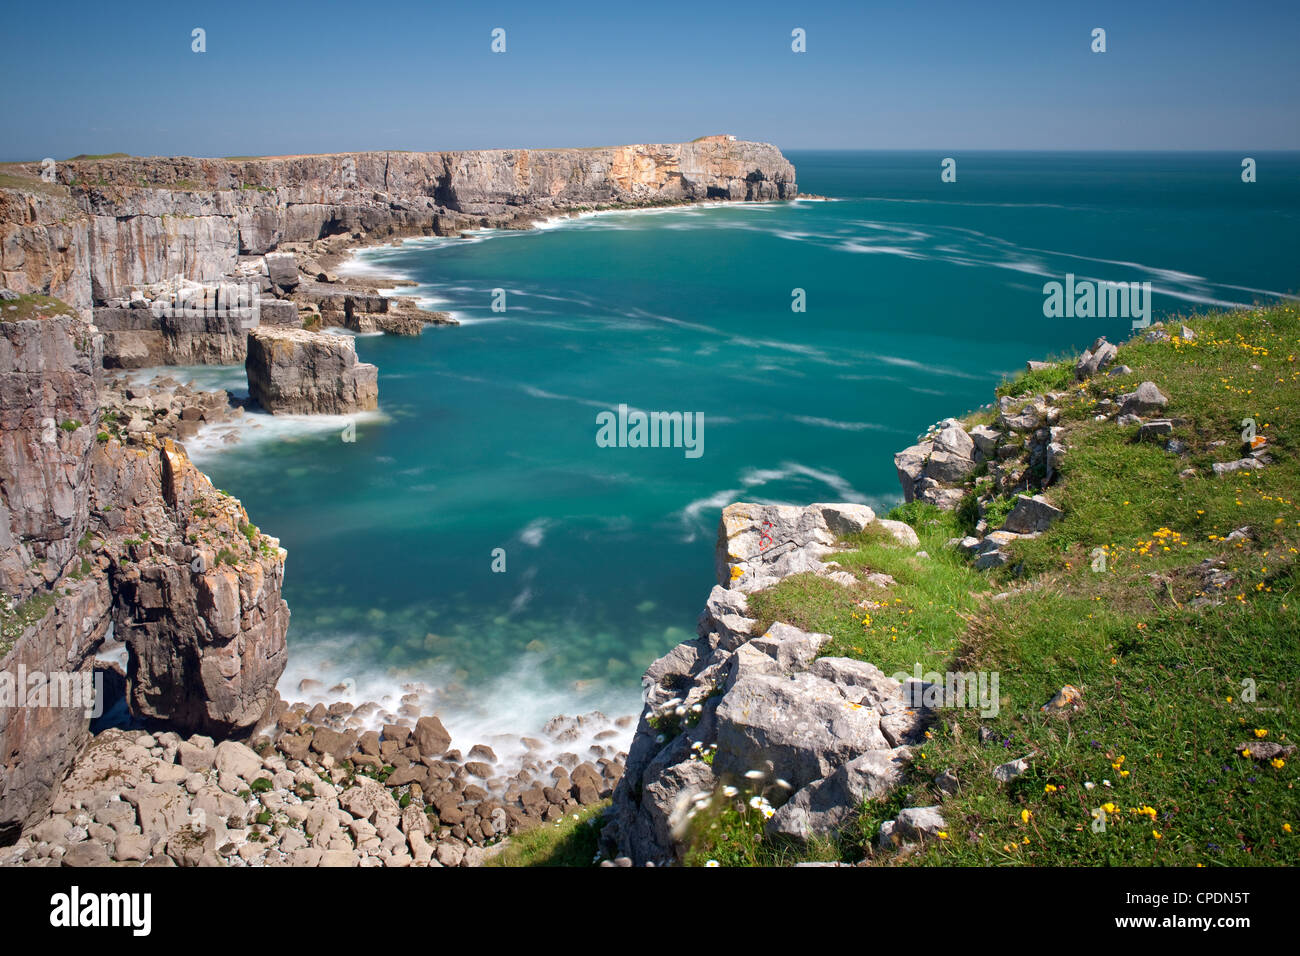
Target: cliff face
[110, 225]
[45, 243]
[52, 616]
[95, 532]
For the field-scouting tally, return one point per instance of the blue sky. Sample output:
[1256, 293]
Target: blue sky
[281, 76]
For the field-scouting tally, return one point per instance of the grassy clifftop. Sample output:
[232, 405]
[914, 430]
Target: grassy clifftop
[1166, 595]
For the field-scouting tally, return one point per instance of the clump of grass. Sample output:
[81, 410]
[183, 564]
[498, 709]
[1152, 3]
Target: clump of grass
[918, 619]
[34, 306]
[571, 841]
[1054, 379]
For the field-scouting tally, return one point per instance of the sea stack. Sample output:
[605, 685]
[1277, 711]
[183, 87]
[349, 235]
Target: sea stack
[297, 372]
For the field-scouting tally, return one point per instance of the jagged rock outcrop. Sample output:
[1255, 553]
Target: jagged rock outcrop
[196, 590]
[95, 532]
[294, 371]
[733, 712]
[760, 544]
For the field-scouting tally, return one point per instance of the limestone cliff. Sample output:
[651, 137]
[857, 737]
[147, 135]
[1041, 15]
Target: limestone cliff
[109, 225]
[98, 532]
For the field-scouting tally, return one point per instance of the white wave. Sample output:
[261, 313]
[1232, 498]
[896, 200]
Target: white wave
[256, 426]
[691, 516]
[340, 330]
[832, 423]
[925, 367]
[231, 378]
[535, 532]
[498, 713]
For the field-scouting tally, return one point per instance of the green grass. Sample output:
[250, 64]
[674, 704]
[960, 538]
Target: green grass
[28, 183]
[1169, 688]
[15, 620]
[919, 619]
[34, 306]
[1162, 682]
[567, 842]
[1055, 379]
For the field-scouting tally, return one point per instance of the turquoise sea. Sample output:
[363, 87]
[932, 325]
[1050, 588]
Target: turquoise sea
[920, 297]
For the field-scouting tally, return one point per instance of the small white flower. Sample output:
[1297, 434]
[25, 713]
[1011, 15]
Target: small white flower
[697, 745]
[1105, 783]
[729, 791]
[783, 784]
[754, 775]
[755, 802]
[1088, 785]
[696, 708]
[713, 863]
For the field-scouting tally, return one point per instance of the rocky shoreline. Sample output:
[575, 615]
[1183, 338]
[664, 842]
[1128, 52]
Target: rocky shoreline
[312, 790]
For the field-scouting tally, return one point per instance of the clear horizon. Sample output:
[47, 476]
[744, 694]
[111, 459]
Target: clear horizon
[1002, 76]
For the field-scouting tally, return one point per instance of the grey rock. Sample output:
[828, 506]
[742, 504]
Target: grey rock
[1146, 400]
[1241, 464]
[791, 648]
[824, 806]
[294, 371]
[282, 267]
[1005, 773]
[802, 726]
[910, 464]
[1032, 514]
[1095, 359]
[985, 439]
[1155, 428]
[919, 823]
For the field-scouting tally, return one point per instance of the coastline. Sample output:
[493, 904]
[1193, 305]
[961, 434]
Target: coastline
[151, 511]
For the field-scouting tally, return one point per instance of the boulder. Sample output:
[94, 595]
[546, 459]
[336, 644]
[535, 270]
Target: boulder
[918, 823]
[910, 464]
[1095, 359]
[431, 737]
[1146, 400]
[282, 268]
[1032, 514]
[798, 728]
[986, 440]
[236, 759]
